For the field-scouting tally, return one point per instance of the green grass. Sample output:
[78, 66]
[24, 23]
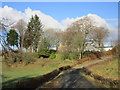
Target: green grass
[107, 69]
[58, 56]
[41, 67]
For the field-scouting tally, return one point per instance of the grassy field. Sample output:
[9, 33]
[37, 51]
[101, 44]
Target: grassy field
[107, 69]
[41, 67]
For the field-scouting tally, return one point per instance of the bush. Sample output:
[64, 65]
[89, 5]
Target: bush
[17, 57]
[12, 57]
[74, 55]
[88, 53]
[52, 51]
[44, 54]
[52, 56]
[115, 50]
[71, 55]
[65, 55]
[28, 57]
[44, 46]
[98, 54]
[93, 54]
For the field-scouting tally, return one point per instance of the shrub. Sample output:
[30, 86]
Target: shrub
[52, 51]
[12, 57]
[43, 50]
[45, 53]
[28, 57]
[17, 57]
[116, 51]
[52, 56]
[34, 54]
[88, 53]
[92, 56]
[98, 54]
[65, 55]
[74, 55]
[69, 55]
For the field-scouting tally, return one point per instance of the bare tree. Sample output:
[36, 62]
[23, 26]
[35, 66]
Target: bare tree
[77, 34]
[99, 34]
[21, 28]
[54, 35]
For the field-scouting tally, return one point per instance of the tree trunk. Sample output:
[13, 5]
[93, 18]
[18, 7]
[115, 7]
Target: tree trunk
[31, 49]
[81, 56]
[21, 42]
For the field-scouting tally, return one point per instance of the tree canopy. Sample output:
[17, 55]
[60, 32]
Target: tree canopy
[33, 33]
[12, 38]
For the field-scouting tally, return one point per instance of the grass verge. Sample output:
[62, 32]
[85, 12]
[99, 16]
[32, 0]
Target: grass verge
[39, 68]
[107, 69]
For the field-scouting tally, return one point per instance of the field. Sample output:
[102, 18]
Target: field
[107, 69]
[41, 67]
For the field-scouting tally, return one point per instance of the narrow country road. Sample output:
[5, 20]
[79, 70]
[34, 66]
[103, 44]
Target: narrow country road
[73, 79]
[100, 60]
